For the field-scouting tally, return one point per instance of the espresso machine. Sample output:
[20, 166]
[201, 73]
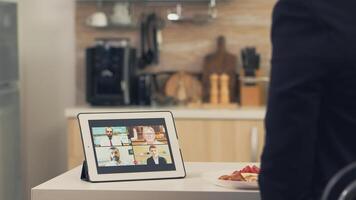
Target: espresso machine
[111, 73]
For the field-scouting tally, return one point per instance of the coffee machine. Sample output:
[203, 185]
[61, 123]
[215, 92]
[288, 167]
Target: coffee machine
[111, 73]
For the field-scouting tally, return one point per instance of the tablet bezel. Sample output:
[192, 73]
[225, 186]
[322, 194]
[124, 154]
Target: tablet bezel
[88, 147]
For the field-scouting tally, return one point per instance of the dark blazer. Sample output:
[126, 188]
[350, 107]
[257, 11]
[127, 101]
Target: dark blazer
[311, 112]
[161, 161]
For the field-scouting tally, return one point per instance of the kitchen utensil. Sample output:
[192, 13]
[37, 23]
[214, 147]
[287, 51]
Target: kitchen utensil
[121, 14]
[142, 61]
[97, 19]
[220, 62]
[151, 34]
[251, 91]
[251, 95]
[224, 95]
[214, 89]
[184, 87]
[150, 26]
[250, 61]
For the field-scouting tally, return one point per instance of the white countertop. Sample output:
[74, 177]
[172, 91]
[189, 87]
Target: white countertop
[253, 113]
[69, 186]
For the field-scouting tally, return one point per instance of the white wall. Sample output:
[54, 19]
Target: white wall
[47, 65]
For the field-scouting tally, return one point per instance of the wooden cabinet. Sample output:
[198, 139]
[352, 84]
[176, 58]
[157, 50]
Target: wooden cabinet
[220, 140]
[75, 148]
[200, 140]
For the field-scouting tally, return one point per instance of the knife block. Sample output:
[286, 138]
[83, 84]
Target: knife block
[251, 94]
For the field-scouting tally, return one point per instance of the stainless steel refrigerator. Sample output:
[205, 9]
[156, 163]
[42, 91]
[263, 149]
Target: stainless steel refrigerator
[10, 141]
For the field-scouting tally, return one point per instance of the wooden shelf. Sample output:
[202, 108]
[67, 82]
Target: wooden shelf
[132, 27]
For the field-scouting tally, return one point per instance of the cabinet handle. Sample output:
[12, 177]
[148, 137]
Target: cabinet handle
[254, 144]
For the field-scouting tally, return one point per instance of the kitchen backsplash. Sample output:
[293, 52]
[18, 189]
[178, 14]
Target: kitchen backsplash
[242, 22]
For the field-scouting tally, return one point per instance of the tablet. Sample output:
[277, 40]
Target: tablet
[131, 146]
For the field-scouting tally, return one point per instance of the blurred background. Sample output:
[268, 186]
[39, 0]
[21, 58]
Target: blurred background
[207, 61]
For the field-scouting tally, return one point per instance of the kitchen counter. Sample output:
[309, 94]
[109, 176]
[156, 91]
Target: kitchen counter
[69, 186]
[253, 113]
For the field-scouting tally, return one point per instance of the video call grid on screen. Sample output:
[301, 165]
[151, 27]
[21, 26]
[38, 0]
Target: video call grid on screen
[132, 145]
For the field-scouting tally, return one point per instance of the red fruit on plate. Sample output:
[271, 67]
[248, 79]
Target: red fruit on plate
[247, 169]
[255, 169]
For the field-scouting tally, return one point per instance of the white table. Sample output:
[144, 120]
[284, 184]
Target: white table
[68, 186]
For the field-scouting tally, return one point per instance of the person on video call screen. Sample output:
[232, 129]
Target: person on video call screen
[110, 139]
[155, 159]
[149, 135]
[114, 158]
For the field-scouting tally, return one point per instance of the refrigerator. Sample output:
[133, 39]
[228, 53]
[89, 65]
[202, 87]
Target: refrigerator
[10, 137]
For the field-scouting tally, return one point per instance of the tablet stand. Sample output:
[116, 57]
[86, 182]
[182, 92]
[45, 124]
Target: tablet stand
[84, 175]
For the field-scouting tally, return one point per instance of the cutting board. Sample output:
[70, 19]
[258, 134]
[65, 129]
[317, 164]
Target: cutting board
[219, 62]
[183, 84]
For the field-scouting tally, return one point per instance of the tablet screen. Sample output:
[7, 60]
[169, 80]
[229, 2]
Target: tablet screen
[131, 145]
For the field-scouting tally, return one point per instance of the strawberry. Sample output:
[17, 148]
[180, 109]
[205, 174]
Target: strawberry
[247, 169]
[255, 169]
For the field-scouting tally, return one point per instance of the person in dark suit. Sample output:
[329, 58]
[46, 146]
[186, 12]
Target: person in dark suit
[311, 112]
[155, 159]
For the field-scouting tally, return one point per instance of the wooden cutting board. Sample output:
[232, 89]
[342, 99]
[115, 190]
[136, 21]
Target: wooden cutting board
[184, 87]
[219, 62]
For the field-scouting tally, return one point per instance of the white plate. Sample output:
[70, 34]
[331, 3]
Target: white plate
[213, 177]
